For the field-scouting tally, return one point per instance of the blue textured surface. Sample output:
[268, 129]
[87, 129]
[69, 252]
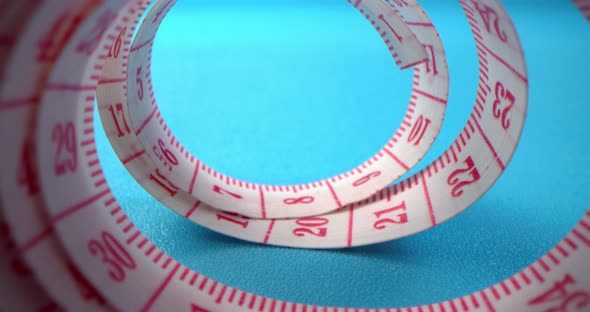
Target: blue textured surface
[300, 91]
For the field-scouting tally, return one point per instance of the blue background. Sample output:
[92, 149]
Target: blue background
[294, 91]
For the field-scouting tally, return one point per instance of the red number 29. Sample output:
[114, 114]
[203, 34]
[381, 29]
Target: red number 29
[64, 137]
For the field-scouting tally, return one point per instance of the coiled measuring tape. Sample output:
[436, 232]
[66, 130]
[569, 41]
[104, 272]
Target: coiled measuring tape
[88, 51]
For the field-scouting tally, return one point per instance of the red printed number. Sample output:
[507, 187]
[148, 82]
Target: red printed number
[64, 138]
[431, 67]
[233, 218]
[119, 118]
[301, 200]
[490, 19]
[217, 189]
[503, 105]
[559, 299]
[463, 177]
[113, 255]
[165, 155]
[164, 183]
[418, 130]
[313, 226]
[399, 212]
[116, 48]
[366, 178]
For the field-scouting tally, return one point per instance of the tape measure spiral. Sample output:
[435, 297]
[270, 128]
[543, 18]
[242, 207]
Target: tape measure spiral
[88, 51]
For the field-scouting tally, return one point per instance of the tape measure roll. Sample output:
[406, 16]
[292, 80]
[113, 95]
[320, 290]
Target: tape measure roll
[19, 291]
[421, 201]
[425, 114]
[187, 173]
[116, 257]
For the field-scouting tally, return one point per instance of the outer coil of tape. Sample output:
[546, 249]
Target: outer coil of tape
[134, 274]
[19, 291]
[31, 228]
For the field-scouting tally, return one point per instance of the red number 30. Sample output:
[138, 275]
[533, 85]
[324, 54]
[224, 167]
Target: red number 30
[113, 255]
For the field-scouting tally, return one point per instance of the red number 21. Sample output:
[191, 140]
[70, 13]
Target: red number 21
[398, 211]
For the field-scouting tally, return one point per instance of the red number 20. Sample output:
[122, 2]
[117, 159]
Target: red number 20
[314, 226]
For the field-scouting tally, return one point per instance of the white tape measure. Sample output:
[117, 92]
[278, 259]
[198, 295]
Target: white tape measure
[57, 183]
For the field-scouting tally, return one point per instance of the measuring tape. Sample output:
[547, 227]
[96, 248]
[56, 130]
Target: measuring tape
[88, 52]
[335, 230]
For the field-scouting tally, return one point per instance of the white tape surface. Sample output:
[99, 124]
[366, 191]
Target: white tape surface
[87, 51]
